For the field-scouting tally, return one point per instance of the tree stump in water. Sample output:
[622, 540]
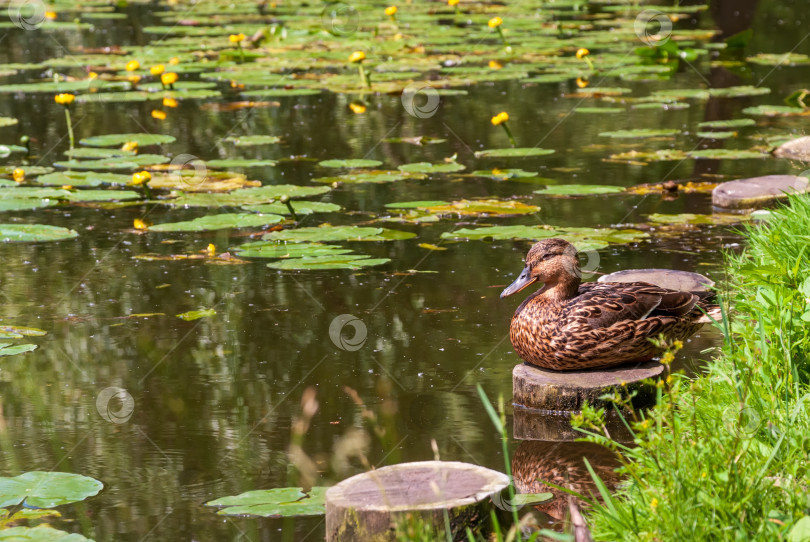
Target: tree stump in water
[757, 191]
[369, 507]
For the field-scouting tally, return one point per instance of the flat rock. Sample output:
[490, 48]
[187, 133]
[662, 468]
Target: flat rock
[685, 281]
[556, 391]
[795, 149]
[369, 506]
[757, 191]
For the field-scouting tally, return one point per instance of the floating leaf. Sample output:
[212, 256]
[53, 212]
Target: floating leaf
[427, 167]
[82, 178]
[281, 92]
[113, 140]
[219, 222]
[503, 174]
[639, 133]
[579, 190]
[716, 135]
[279, 502]
[725, 154]
[465, 207]
[19, 332]
[328, 233]
[416, 204]
[343, 261]
[196, 315]
[33, 233]
[380, 176]
[248, 196]
[518, 152]
[276, 250]
[775, 111]
[599, 110]
[690, 218]
[40, 533]
[252, 140]
[300, 208]
[7, 121]
[7, 349]
[735, 123]
[46, 489]
[240, 162]
[350, 163]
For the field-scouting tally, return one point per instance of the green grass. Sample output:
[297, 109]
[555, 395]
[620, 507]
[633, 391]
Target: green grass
[725, 456]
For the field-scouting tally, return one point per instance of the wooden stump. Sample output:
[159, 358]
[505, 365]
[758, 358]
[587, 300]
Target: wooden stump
[542, 389]
[552, 426]
[368, 507]
[685, 281]
[757, 191]
[795, 149]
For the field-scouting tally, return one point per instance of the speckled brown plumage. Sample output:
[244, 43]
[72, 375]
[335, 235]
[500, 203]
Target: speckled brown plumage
[569, 325]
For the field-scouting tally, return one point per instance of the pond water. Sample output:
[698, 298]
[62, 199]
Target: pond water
[214, 400]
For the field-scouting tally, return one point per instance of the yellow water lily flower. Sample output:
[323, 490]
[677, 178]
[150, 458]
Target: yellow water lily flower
[452, 3]
[237, 38]
[169, 102]
[211, 249]
[495, 65]
[139, 224]
[391, 11]
[500, 118]
[357, 108]
[130, 146]
[158, 114]
[18, 175]
[50, 15]
[168, 78]
[132, 65]
[495, 22]
[141, 177]
[357, 56]
[64, 99]
[157, 70]
[582, 52]
[92, 75]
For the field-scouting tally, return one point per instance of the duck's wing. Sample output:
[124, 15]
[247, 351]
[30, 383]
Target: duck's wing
[604, 304]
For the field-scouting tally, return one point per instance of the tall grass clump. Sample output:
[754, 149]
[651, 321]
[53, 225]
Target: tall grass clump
[724, 456]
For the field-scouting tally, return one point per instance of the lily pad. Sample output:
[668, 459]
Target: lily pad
[734, 123]
[47, 489]
[111, 140]
[248, 196]
[491, 207]
[716, 135]
[40, 533]
[427, 167]
[350, 163]
[196, 315]
[342, 261]
[328, 233]
[281, 92]
[82, 178]
[278, 250]
[374, 176]
[300, 208]
[252, 140]
[725, 154]
[579, 190]
[219, 222]
[33, 233]
[7, 121]
[696, 219]
[640, 133]
[503, 174]
[516, 152]
[7, 349]
[240, 163]
[775, 111]
[279, 502]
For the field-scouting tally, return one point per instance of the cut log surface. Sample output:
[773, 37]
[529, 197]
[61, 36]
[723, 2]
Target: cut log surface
[685, 281]
[542, 389]
[757, 191]
[369, 506]
[796, 149]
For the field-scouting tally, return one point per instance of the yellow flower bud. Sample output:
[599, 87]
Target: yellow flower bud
[452, 3]
[141, 177]
[64, 99]
[133, 65]
[157, 70]
[18, 175]
[582, 53]
[174, 61]
[500, 118]
[130, 146]
[139, 224]
[237, 38]
[168, 78]
[495, 22]
[357, 56]
[495, 65]
[391, 11]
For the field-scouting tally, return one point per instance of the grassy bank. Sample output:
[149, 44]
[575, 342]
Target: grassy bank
[725, 456]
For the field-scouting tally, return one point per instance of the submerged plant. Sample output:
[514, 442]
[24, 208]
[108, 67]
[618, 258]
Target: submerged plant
[500, 120]
[65, 99]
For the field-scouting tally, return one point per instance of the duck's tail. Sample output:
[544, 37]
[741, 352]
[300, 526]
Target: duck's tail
[709, 312]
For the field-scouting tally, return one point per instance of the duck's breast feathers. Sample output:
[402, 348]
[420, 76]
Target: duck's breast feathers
[601, 305]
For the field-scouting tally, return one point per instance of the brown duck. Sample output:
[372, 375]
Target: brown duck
[570, 325]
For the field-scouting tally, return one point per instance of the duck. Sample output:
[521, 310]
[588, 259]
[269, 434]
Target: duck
[570, 325]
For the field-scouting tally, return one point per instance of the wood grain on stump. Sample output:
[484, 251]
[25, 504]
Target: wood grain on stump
[369, 506]
[543, 389]
[757, 191]
[795, 149]
[685, 281]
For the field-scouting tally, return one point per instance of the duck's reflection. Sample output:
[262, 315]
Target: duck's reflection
[561, 463]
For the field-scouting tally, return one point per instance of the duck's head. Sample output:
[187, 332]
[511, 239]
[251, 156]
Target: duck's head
[549, 261]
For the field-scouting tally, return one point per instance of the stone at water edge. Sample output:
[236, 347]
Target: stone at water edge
[685, 281]
[367, 507]
[757, 191]
[795, 149]
[543, 389]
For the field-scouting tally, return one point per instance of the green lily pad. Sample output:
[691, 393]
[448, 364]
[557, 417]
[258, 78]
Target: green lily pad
[599, 110]
[775, 111]
[111, 140]
[239, 163]
[579, 190]
[130, 162]
[491, 207]
[97, 152]
[416, 204]
[7, 121]
[374, 176]
[277, 250]
[7, 349]
[503, 174]
[716, 135]
[252, 140]
[640, 133]
[196, 315]
[18, 332]
[47, 489]
[40, 533]
[734, 123]
[33, 233]
[690, 218]
[342, 261]
[581, 238]
[725, 154]
[516, 152]
[25, 204]
[776, 59]
[82, 178]
[219, 222]
[427, 167]
[279, 502]
[350, 163]
[300, 208]
[248, 196]
[281, 92]
[337, 233]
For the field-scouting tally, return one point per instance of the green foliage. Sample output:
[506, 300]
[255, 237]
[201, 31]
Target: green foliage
[724, 456]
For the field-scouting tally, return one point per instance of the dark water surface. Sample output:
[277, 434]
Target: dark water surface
[215, 398]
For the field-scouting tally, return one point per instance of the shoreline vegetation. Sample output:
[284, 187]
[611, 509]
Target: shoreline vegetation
[724, 456]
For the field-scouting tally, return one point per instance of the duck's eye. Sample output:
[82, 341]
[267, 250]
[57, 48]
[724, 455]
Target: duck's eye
[548, 256]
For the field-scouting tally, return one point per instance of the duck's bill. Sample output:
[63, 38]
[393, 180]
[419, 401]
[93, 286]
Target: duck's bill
[521, 282]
